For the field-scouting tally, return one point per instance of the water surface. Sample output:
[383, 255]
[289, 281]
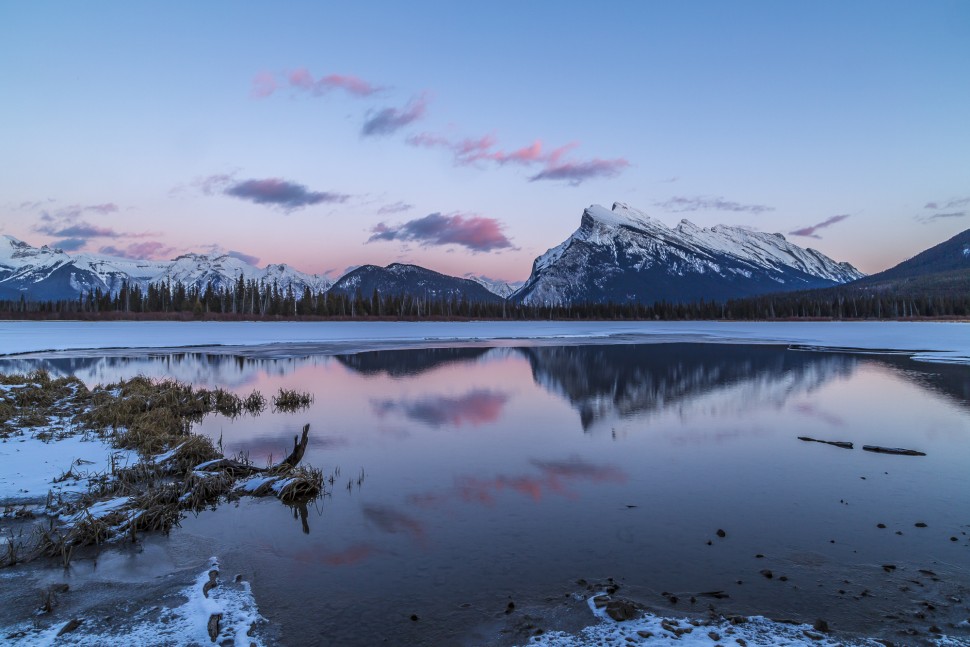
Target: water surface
[473, 477]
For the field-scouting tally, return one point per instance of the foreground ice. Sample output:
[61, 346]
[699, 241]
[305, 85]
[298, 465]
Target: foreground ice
[186, 624]
[660, 631]
[930, 341]
[34, 464]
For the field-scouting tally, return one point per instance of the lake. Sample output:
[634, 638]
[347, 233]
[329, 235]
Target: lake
[475, 476]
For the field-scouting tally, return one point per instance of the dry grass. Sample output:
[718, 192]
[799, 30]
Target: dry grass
[288, 400]
[154, 418]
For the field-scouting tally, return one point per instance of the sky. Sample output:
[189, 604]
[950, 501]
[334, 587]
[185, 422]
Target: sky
[468, 137]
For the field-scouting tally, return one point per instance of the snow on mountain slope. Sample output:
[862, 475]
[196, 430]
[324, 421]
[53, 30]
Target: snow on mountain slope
[46, 273]
[623, 255]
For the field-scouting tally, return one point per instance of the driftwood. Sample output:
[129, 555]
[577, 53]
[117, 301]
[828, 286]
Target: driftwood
[238, 469]
[892, 450]
[837, 443]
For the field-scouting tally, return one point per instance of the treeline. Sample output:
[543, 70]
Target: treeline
[257, 300]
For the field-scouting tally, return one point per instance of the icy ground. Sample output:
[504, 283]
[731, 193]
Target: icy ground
[660, 631]
[185, 624]
[929, 341]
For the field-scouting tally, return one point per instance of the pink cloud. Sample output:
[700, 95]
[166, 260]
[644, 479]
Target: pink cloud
[555, 167]
[302, 79]
[477, 233]
[264, 84]
[809, 231]
[477, 407]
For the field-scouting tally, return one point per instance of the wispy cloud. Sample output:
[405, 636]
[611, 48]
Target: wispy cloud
[397, 207]
[938, 213]
[276, 192]
[477, 233]
[681, 204]
[264, 84]
[245, 258]
[954, 203]
[555, 166]
[388, 121]
[809, 232]
[152, 249]
[356, 86]
[70, 244]
[78, 230]
[575, 173]
[951, 214]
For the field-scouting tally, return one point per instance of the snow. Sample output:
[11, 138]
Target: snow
[659, 631]
[29, 465]
[183, 625]
[27, 263]
[928, 341]
[643, 242]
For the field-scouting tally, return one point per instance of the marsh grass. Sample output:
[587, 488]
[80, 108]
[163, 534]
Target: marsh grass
[178, 470]
[290, 400]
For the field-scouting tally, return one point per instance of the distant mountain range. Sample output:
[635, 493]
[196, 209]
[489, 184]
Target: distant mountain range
[618, 255]
[42, 273]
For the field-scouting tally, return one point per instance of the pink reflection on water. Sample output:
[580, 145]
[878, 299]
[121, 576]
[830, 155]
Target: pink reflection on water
[811, 410]
[555, 477]
[477, 407]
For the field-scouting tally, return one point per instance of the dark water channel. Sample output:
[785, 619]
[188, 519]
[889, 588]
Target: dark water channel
[474, 477]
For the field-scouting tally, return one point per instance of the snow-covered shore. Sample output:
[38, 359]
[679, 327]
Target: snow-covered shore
[928, 341]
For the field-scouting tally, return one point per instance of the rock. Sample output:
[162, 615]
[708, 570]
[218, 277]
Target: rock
[766, 573]
[510, 608]
[601, 601]
[919, 524]
[821, 625]
[719, 595]
[889, 568]
[71, 625]
[213, 626]
[720, 533]
[880, 525]
[620, 610]
[643, 633]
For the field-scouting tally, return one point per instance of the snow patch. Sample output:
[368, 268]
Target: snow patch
[178, 626]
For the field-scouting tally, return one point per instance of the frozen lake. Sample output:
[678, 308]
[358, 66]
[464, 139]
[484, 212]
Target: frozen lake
[474, 475]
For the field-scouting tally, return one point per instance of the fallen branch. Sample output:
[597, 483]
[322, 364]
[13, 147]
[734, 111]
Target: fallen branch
[836, 443]
[892, 450]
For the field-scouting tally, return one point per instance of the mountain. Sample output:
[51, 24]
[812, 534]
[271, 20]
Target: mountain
[944, 268]
[398, 279]
[496, 286]
[41, 273]
[623, 255]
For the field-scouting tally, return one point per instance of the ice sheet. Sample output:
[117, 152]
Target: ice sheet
[930, 341]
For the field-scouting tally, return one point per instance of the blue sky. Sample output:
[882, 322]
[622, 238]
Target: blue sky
[468, 137]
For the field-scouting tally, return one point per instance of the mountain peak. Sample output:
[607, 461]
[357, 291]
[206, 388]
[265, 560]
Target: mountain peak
[622, 255]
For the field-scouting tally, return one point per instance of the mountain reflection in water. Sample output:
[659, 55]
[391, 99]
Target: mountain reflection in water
[473, 476]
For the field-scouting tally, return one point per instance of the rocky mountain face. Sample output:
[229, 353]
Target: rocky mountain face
[622, 255]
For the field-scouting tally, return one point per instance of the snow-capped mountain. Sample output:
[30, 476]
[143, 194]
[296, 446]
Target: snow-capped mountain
[41, 273]
[399, 278]
[623, 255]
[502, 288]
